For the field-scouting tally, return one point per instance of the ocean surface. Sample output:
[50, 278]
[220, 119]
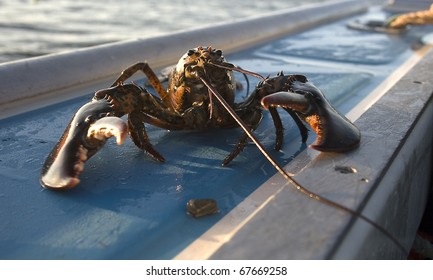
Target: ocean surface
[31, 28]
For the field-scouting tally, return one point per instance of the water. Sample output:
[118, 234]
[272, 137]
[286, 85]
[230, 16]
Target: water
[31, 28]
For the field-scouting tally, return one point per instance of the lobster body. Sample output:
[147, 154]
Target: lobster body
[189, 103]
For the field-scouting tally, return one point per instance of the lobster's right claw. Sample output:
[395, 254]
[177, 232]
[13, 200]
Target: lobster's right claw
[335, 133]
[108, 127]
[85, 135]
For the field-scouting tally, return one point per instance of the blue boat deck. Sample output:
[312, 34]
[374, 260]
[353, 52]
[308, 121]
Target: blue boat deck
[128, 206]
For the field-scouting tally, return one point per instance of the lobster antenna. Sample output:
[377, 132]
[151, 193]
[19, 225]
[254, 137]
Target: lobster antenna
[244, 72]
[297, 185]
[230, 66]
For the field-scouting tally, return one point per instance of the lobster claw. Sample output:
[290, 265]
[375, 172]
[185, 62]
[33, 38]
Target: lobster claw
[86, 134]
[335, 133]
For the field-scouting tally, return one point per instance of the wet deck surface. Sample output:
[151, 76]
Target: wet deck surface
[129, 207]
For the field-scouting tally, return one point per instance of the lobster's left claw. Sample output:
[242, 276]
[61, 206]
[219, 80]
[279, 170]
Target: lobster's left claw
[335, 133]
[85, 135]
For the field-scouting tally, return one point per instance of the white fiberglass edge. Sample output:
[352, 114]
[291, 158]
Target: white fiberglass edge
[380, 90]
[41, 81]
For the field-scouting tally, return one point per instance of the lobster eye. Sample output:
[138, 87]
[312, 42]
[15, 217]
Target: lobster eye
[218, 52]
[191, 52]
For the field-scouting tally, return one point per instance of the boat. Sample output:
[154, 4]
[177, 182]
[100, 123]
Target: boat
[128, 206]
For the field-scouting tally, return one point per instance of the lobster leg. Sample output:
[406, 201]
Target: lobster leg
[255, 121]
[301, 126]
[149, 73]
[138, 134]
[279, 130]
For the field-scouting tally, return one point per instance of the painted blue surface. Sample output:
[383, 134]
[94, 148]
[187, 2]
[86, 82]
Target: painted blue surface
[128, 206]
